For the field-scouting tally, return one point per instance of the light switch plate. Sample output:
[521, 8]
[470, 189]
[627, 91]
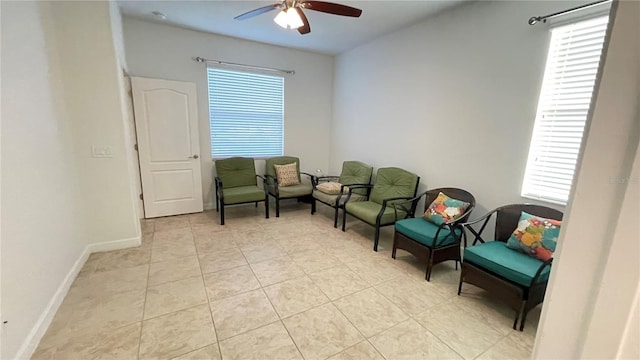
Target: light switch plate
[101, 151]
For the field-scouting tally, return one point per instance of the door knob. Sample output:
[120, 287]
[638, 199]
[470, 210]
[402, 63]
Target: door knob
[193, 157]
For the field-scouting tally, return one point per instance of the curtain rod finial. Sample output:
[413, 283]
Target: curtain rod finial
[533, 20]
[199, 59]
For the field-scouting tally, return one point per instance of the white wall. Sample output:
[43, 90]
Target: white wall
[596, 275]
[42, 210]
[452, 98]
[166, 52]
[94, 96]
[62, 92]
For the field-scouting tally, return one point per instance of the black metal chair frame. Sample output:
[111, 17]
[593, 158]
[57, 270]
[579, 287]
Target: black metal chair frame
[385, 202]
[220, 199]
[437, 253]
[316, 180]
[520, 298]
[276, 194]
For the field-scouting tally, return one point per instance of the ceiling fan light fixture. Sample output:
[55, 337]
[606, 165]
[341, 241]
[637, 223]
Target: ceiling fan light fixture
[288, 19]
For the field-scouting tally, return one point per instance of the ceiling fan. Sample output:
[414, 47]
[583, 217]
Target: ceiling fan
[291, 15]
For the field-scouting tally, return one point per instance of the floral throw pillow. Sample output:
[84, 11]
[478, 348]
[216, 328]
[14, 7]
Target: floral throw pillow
[535, 236]
[445, 209]
[287, 174]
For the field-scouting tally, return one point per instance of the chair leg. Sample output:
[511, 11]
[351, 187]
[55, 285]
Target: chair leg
[313, 206]
[344, 219]
[217, 202]
[256, 204]
[335, 218]
[524, 318]
[221, 214]
[266, 206]
[277, 207]
[460, 283]
[375, 240]
[393, 250]
[518, 312]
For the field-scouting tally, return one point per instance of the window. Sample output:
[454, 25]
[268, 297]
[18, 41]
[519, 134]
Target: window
[567, 87]
[246, 113]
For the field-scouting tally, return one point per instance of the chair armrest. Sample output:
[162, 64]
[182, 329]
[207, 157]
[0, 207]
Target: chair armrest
[539, 272]
[413, 201]
[327, 177]
[309, 175]
[477, 234]
[406, 198]
[355, 186]
[274, 182]
[264, 181]
[219, 188]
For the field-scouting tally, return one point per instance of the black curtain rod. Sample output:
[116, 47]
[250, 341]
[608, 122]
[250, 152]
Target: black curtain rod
[536, 19]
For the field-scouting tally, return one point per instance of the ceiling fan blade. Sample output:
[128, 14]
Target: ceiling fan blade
[304, 29]
[258, 11]
[331, 8]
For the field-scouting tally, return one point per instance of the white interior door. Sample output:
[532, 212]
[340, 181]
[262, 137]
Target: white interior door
[167, 131]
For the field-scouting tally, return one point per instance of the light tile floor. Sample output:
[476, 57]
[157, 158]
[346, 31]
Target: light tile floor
[282, 288]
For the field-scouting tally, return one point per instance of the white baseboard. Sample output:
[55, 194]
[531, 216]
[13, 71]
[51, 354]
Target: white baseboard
[114, 245]
[40, 328]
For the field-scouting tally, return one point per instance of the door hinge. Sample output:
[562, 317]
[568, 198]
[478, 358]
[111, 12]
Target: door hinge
[141, 197]
[135, 147]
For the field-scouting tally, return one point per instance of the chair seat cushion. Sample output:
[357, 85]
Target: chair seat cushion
[496, 257]
[331, 199]
[295, 190]
[368, 211]
[242, 194]
[424, 232]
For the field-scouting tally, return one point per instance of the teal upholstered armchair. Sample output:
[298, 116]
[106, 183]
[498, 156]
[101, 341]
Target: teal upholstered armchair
[437, 240]
[353, 173]
[517, 278]
[298, 191]
[237, 183]
[392, 185]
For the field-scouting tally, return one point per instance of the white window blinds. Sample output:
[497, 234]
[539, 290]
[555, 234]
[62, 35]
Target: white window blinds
[246, 113]
[567, 88]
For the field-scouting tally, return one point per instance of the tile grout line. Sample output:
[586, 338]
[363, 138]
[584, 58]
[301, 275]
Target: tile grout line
[277, 314]
[206, 294]
[146, 289]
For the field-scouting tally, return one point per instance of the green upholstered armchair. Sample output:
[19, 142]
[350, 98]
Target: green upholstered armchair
[392, 185]
[237, 183]
[301, 190]
[513, 277]
[353, 173]
[429, 242]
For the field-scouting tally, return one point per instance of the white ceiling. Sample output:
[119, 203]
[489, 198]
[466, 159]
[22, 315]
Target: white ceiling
[330, 34]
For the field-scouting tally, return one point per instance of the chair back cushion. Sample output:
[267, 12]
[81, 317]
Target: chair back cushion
[356, 172]
[236, 171]
[393, 182]
[508, 216]
[535, 236]
[281, 160]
